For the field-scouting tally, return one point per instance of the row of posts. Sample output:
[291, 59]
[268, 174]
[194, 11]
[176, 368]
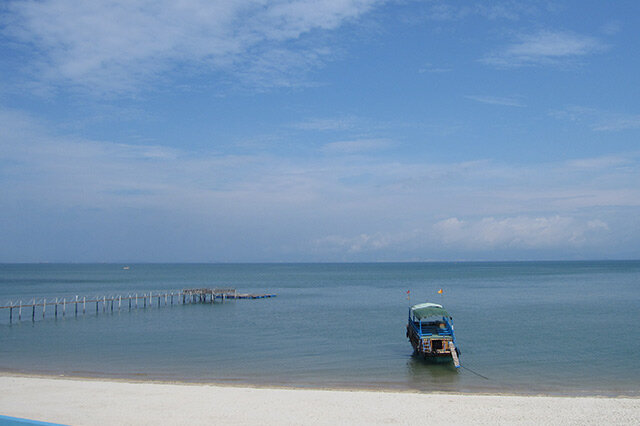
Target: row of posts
[168, 298]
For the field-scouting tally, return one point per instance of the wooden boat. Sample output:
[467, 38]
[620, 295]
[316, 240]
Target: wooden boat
[430, 331]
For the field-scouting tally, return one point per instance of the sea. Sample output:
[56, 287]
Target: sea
[556, 328]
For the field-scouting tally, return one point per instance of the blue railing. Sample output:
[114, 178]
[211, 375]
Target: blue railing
[424, 330]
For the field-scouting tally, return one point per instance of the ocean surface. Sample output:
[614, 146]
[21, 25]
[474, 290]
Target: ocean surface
[570, 328]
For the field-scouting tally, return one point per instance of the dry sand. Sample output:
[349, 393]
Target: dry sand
[100, 402]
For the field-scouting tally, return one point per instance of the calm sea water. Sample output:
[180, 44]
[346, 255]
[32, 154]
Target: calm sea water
[523, 327]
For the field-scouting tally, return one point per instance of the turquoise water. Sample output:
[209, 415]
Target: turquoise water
[527, 327]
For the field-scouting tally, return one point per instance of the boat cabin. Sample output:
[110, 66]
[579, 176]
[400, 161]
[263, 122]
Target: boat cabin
[430, 331]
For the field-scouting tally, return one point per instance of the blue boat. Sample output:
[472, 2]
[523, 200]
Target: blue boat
[430, 331]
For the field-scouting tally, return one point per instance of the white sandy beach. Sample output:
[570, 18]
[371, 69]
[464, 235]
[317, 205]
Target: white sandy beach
[93, 402]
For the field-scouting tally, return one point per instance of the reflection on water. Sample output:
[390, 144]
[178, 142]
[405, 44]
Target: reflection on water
[426, 375]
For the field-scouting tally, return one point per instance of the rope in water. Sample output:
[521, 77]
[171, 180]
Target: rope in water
[477, 374]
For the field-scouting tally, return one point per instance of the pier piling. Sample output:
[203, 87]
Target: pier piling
[189, 296]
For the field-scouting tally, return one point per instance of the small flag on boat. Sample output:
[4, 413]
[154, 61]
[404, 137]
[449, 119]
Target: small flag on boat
[440, 291]
[408, 294]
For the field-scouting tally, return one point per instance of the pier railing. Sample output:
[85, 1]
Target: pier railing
[35, 308]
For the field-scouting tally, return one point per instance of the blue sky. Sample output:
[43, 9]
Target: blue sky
[249, 131]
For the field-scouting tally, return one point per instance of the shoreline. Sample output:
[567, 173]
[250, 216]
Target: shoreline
[98, 401]
[358, 387]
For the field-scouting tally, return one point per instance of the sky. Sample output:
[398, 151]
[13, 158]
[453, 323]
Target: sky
[319, 131]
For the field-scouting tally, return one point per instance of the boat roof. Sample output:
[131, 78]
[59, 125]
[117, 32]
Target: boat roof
[425, 310]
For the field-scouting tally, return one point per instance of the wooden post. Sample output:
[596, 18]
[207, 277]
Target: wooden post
[20, 312]
[112, 300]
[171, 298]
[76, 305]
[144, 299]
[84, 304]
[183, 298]
[136, 300]
[11, 312]
[104, 302]
[56, 308]
[165, 299]
[129, 297]
[119, 302]
[33, 310]
[158, 301]
[44, 306]
[97, 301]
[64, 307]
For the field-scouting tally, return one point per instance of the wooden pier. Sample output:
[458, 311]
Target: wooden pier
[77, 305]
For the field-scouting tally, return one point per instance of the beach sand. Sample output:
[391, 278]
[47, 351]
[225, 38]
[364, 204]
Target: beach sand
[99, 402]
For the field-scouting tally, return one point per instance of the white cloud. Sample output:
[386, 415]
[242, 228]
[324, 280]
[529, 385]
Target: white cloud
[115, 45]
[599, 120]
[506, 10]
[431, 68]
[356, 146]
[519, 232]
[611, 28]
[343, 204]
[545, 48]
[599, 162]
[326, 124]
[357, 244]
[496, 100]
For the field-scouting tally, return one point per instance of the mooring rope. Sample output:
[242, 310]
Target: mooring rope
[477, 374]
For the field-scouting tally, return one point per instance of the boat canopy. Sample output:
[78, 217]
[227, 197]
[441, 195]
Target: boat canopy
[425, 310]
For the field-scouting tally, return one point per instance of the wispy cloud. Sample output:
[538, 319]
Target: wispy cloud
[357, 146]
[599, 120]
[358, 243]
[482, 236]
[518, 232]
[114, 45]
[365, 203]
[506, 10]
[434, 69]
[611, 27]
[545, 48]
[603, 162]
[497, 100]
[326, 124]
